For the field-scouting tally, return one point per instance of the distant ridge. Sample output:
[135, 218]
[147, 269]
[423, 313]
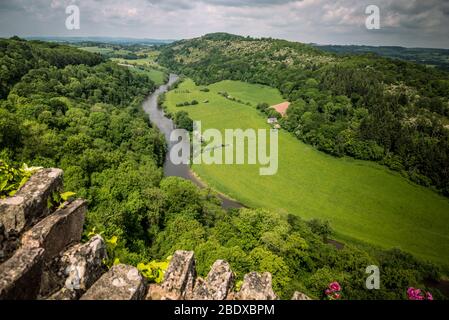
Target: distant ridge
[113, 40]
[429, 56]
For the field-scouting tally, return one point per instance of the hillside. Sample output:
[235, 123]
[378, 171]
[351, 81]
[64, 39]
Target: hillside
[82, 114]
[432, 57]
[361, 200]
[366, 107]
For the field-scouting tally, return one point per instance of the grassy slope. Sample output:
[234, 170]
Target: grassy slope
[362, 200]
[97, 50]
[156, 75]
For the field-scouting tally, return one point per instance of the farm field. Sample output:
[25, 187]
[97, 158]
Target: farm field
[156, 75]
[362, 200]
[151, 68]
[97, 50]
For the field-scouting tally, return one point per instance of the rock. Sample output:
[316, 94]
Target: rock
[180, 276]
[220, 280]
[76, 270]
[2, 233]
[20, 276]
[256, 287]
[217, 285]
[3, 238]
[57, 231]
[9, 242]
[30, 202]
[200, 290]
[156, 292]
[63, 294]
[300, 296]
[84, 264]
[121, 282]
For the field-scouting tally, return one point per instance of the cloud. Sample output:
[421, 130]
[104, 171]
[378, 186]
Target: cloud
[248, 3]
[403, 22]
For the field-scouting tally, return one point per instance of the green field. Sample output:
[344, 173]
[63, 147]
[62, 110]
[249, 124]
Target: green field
[151, 68]
[361, 199]
[97, 50]
[156, 75]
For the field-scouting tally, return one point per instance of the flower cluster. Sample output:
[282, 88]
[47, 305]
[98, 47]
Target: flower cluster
[418, 294]
[333, 291]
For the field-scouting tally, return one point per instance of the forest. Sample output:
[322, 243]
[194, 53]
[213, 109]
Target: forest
[67, 108]
[432, 57]
[363, 106]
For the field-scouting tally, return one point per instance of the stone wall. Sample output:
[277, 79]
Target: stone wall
[41, 257]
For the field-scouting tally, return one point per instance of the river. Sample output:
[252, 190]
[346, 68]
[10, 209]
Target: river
[166, 126]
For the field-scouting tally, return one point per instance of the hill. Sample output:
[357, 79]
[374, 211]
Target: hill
[361, 200]
[67, 108]
[367, 107]
[433, 57]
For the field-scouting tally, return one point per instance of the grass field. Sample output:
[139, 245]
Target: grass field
[362, 200]
[97, 50]
[157, 76]
[151, 68]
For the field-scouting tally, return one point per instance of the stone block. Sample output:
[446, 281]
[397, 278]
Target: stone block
[75, 270]
[256, 286]
[219, 281]
[300, 296]
[121, 282]
[60, 229]
[180, 276]
[20, 276]
[30, 202]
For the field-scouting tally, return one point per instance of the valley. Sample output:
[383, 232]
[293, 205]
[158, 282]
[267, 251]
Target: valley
[325, 216]
[362, 200]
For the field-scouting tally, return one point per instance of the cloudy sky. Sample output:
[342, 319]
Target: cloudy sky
[412, 23]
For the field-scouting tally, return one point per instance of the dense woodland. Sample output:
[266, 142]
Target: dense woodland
[438, 58]
[71, 109]
[363, 106]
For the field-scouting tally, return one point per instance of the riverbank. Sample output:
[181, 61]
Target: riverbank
[166, 126]
[360, 199]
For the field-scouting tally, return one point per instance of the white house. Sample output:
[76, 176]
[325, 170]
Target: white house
[272, 120]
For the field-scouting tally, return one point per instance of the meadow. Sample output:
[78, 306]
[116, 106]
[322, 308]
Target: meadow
[362, 200]
[147, 60]
[158, 76]
[154, 71]
[95, 49]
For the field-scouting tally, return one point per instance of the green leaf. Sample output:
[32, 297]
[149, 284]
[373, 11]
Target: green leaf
[3, 184]
[67, 195]
[160, 276]
[113, 241]
[56, 197]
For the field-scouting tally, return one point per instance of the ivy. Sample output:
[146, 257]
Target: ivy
[13, 178]
[154, 271]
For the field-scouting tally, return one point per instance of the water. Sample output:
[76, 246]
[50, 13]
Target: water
[166, 126]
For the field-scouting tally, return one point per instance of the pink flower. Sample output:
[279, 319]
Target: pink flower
[413, 294]
[328, 292]
[335, 286]
[337, 296]
[417, 294]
